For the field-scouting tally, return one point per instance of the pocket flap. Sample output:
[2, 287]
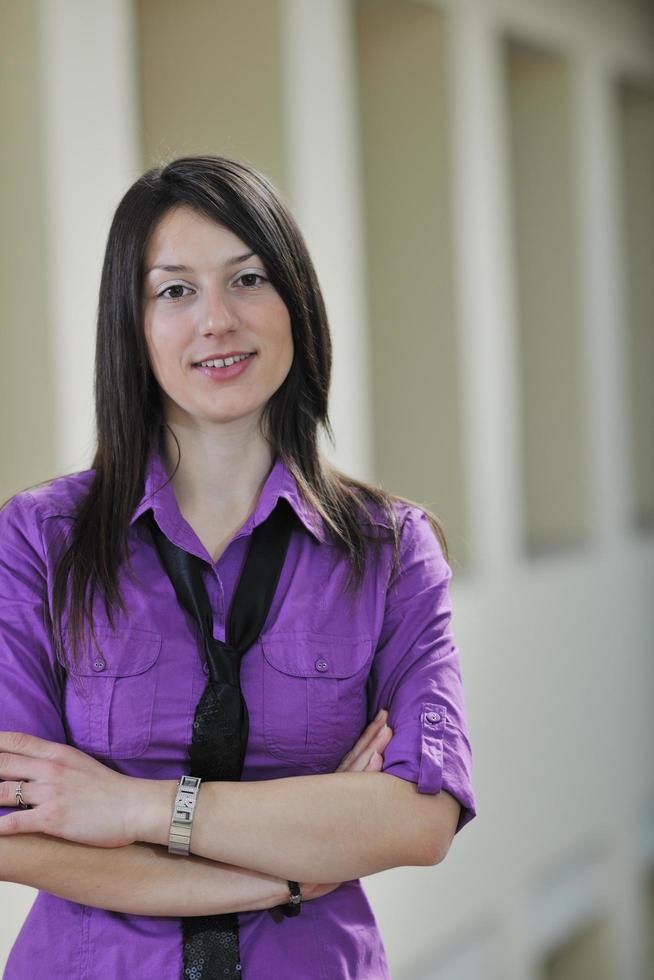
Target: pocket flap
[304, 654]
[120, 652]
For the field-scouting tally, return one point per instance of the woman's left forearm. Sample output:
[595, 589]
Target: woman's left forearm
[328, 827]
[137, 879]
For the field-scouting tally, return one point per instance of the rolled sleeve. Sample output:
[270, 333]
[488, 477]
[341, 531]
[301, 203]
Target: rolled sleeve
[30, 677]
[416, 673]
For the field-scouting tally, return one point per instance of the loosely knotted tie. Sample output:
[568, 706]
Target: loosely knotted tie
[221, 725]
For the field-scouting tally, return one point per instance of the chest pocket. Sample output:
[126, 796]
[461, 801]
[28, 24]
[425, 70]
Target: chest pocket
[314, 695]
[109, 707]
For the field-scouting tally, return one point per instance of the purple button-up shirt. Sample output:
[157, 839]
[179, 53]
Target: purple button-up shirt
[318, 674]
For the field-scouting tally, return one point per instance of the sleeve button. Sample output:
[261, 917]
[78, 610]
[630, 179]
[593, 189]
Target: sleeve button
[99, 664]
[321, 665]
[433, 716]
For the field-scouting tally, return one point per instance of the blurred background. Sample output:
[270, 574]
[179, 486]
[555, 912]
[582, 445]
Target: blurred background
[475, 182]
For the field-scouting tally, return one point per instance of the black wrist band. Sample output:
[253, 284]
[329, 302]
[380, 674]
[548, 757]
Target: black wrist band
[293, 906]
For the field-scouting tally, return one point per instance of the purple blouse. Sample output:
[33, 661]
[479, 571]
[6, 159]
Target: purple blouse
[319, 673]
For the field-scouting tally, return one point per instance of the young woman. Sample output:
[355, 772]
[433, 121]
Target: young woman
[213, 364]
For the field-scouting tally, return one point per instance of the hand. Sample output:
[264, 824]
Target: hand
[365, 755]
[71, 794]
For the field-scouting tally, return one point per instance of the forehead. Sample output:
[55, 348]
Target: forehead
[185, 235]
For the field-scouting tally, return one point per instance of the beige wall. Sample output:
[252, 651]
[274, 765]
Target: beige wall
[549, 360]
[636, 114]
[555, 875]
[210, 81]
[26, 432]
[416, 380]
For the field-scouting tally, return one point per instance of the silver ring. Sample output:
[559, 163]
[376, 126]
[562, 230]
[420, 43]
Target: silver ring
[19, 797]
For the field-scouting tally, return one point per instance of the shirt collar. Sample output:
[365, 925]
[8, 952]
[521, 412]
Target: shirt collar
[280, 482]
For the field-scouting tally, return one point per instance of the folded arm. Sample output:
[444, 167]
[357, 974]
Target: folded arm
[138, 879]
[327, 827]
[344, 825]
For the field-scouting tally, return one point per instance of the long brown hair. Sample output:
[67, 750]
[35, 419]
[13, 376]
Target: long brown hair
[128, 407]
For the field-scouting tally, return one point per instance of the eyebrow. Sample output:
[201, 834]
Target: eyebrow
[235, 259]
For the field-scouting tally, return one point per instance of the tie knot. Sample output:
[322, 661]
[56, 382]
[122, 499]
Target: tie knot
[226, 649]
[224, 661]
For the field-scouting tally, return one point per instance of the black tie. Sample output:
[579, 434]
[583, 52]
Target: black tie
[220, 726]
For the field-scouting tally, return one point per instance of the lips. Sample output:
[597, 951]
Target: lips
[226, 373]
[215, 357]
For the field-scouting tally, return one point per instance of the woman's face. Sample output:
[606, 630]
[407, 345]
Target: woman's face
[219, 304]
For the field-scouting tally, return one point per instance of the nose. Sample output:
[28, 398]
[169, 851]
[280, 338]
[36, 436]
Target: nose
[216, 313]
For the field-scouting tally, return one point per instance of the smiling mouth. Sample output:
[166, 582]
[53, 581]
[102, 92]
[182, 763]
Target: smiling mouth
[220, 362]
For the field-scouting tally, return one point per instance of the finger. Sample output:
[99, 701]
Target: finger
[378, 741]
[23, 744]
[375, 762]
[359, 763]
[21, 766]
[20, 743]
[367, 736]
[21, 822]
[8, 788]
[376, 747]
[383, 738]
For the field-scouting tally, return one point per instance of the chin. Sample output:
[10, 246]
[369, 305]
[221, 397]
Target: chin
[223, 418]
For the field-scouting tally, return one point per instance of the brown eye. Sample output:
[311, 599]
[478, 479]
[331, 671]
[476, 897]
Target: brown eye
[176, 285]
[252, 275]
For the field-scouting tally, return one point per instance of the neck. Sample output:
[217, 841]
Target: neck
[220, 469]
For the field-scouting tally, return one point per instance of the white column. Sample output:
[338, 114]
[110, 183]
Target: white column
[89, 111]
[482, 234]
[321, 142]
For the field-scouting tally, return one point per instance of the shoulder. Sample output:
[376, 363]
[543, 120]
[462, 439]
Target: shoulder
[421, 560]
[61, 496]
[420, 557]
[415, 527]
[378, 512]
[25, 511]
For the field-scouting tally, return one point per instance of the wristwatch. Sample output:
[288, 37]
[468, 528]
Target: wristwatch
[292, 907]
[181, 824]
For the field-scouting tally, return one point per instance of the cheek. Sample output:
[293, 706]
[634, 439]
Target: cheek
[152, 339]
[285, 337]
[162, 344]
[288, 344]
[284, 355]
[154, 358]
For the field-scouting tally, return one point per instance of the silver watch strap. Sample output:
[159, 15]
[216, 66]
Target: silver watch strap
[181, 824]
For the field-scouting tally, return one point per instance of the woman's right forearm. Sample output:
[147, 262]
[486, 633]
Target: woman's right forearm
[140, 879]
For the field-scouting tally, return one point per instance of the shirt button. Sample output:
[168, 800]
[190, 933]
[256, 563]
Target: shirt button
[99, 664]
[433, 716]
[321, 665]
